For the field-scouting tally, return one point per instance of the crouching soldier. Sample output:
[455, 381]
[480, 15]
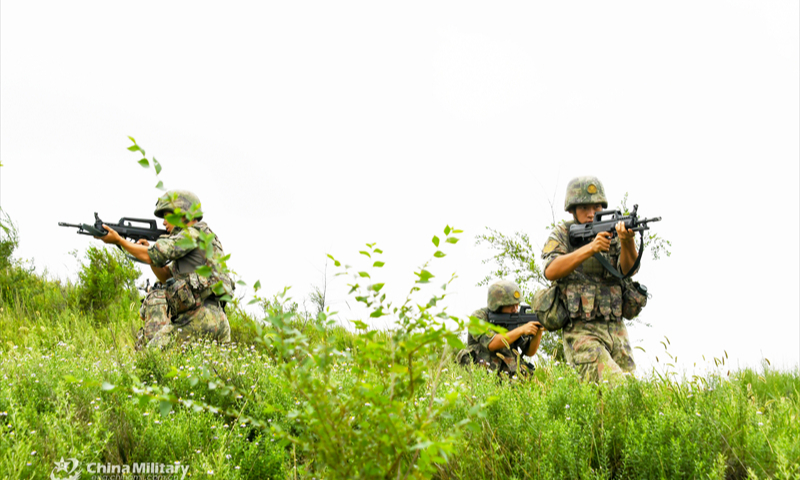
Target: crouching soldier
[503, 352]
[187, 299]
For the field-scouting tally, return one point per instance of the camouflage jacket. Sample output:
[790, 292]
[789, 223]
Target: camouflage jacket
[590, 292]
[506, 360]
[184, 260]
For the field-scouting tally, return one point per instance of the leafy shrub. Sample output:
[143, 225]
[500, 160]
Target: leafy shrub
[105, 279]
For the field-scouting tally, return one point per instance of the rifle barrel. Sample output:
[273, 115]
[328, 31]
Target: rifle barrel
[65, 224]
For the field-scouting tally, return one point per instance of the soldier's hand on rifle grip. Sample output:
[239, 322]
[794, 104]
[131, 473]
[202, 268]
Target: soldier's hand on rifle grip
[112, 238]
[143, 241]
[601, 243]
[530, 328]
[625, 234]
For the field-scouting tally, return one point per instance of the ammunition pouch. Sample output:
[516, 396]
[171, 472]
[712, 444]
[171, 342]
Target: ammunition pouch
[550, 309]
[634, 298]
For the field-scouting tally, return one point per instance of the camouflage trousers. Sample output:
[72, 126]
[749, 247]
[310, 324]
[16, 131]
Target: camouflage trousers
[205, 322]
[155, 314]
[599, 350]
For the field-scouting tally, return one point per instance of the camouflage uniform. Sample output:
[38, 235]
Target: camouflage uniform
[154, 313]
[595, 338]
[194, 309]
[505, 360]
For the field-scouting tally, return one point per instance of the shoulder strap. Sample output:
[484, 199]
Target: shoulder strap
[613, 271]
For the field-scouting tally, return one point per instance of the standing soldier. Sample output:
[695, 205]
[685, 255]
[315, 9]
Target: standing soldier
[188, 298]
[595, 338]
[501, 352]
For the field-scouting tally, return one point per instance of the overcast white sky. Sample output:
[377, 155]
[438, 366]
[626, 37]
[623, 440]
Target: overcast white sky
[309, 128]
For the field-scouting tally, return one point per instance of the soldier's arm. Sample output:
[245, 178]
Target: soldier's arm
[628, 253]
[566, 263]
[530, 328]
[137, 251]
[162, 273]
[534, 345]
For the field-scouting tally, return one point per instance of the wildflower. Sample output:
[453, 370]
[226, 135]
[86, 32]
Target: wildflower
[698, 414]
[566, 406]
[145, 414]
[33, 452]
[759, 412]
[760, 424]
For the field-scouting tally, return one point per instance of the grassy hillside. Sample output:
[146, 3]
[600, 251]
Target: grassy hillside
[301, 397]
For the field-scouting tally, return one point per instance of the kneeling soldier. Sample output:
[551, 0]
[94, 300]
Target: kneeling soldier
[502, 352]
[193, 308]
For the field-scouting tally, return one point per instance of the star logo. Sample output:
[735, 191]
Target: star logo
[70, 466]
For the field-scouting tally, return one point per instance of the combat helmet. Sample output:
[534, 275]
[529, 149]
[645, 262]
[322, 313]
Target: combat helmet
[175, 199]
[503, 293]
[584, 190]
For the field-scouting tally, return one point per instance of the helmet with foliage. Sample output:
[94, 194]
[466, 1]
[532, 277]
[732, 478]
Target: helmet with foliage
[503, 293]
[583, 191]
[175, 199]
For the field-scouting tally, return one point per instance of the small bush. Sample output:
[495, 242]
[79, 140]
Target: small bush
[107, 278]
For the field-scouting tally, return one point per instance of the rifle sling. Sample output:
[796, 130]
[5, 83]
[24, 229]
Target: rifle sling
[613, 271]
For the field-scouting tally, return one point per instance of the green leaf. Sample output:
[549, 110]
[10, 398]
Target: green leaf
[242, 283]
[452, 240]
[134, 148]
[435, 241]
[335, 262]
[226, 298]
[204, 271]
[165, 407]
[455, 342]
[377, 313]
[376, 287]
[144, 163]
[132, 139]
[378, 264]
[193, 381]
[362, 252]
[219, 289]
[363, 274]
[156, 165]
[160, 185]
[424, 276]
[186, 243]
[438, 254]
[377, 250]
[257, 285]
[447, 230]
[107, 386]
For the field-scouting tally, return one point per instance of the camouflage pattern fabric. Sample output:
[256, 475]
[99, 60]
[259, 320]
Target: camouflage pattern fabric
[155, 315]
[205, 318]
[505, 360]
[593, 300]
[502, 294]
[175, 199]
[205, 322]
[599, 351]
[584, 191]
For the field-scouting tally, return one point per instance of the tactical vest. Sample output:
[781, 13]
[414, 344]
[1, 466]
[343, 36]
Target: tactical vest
[188, 290]
[590, 292]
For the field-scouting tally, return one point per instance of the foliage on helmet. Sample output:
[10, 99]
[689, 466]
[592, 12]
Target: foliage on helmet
[175, 199]
[585, 191]
[503, 293]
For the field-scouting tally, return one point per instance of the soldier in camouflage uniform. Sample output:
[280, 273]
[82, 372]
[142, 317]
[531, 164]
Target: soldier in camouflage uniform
[193, 309]
[503, 352]
[595, 338]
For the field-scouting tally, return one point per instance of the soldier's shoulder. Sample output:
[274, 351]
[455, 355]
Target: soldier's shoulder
[482, 313]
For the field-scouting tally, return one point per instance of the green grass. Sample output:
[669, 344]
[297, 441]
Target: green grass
[551, 426]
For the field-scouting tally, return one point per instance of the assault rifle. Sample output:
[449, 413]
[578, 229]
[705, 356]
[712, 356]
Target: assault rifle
[510, 321]
[151, 232]
[581, 234]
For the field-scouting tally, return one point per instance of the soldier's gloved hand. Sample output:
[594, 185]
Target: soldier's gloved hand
[143, 241]
[601, 243]
[530, 328]
[112, 237]
[625, 234]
